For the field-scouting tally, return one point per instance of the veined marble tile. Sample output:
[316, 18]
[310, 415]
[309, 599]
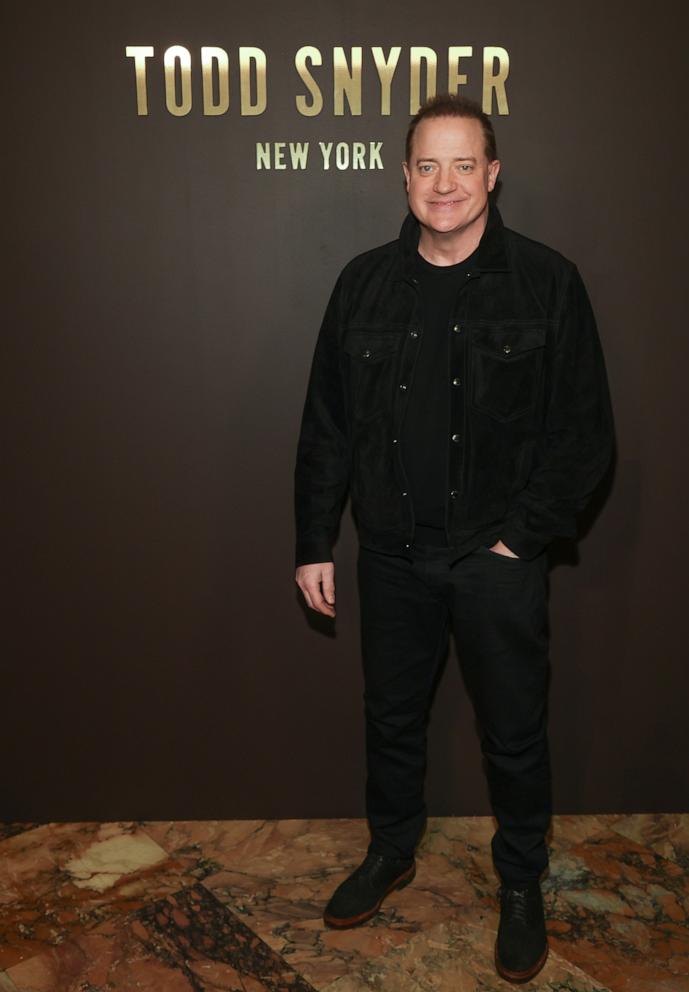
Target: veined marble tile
[286, 911]
[455, 957]
[190, 840]
[665, 833]
[60, 877]
[93, 905]
[186, 942]
[463, 844]
[12, 829]
[466, 840]
[569, 829]
[104, 862]
[287, 915]
[619, 911]
[265, 848]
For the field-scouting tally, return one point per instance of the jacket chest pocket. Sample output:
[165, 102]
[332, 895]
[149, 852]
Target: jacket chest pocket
[372, 365]
[506, 370]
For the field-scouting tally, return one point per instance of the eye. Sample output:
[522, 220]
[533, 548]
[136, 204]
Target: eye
[465, 167]
[426, 168]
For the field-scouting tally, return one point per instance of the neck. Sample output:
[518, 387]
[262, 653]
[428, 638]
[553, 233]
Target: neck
[453, 247]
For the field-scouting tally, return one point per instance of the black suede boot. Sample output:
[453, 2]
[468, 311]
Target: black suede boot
[359, 897]
[522, 945]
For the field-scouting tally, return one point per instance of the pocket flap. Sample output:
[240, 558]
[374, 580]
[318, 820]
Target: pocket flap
[371, 345]
[508, 342]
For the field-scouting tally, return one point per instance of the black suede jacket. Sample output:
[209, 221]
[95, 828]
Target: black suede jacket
[530, 432]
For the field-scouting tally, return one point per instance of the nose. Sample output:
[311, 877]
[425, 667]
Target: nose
[445, 180]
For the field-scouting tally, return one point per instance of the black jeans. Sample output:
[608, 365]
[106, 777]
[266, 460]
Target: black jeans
[497, 607]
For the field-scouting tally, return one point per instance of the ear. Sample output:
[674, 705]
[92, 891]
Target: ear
[493, 170]
[407, 175]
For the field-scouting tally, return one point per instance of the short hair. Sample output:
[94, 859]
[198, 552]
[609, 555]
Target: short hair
[453, 105]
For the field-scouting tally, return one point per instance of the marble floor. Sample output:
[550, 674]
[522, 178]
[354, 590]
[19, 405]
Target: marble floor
[236, 905]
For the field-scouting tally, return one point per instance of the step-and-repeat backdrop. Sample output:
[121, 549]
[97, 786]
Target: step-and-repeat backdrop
[186, 181]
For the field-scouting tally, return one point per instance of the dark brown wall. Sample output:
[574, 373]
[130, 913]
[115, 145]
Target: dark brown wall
[161, 303]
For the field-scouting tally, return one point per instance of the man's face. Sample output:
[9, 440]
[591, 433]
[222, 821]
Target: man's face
[449, 177]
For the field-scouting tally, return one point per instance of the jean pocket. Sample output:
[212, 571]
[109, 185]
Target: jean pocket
[498, 554]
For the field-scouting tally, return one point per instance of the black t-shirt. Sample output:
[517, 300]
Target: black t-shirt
[425, 438]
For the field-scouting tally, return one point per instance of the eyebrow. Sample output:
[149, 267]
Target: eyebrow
[460, 158]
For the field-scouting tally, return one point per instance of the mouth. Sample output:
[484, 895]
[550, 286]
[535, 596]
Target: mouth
[444, 203]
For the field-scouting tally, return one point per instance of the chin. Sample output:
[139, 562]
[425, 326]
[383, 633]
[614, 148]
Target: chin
[449, 227]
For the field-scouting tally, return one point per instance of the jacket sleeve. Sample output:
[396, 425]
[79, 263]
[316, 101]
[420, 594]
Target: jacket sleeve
[322, 468]
[575, 448]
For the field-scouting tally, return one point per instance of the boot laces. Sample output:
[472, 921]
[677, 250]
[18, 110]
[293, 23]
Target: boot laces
[370, 863]
[517, 900]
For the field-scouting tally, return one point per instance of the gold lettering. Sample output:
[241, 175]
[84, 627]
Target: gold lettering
[345, 82]
[247, 56]
[342, 155]
[209, 55]
[140, 53]
[386, 70]
[374, 159]
[358, 153]
[299, 153]
[455, 78]
[262, 154]
[325, 152]
[309, 54]
[279, 154]
[172, 56]
[495, 81]
[417, 55]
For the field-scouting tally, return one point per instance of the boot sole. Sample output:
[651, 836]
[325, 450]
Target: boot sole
[517, 977]
[340, 923]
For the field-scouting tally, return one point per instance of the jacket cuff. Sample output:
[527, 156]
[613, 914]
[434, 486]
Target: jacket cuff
[313, 552]
[523, 544]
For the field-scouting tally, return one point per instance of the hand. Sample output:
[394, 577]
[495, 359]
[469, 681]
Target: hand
[311, 579]
[501, 549]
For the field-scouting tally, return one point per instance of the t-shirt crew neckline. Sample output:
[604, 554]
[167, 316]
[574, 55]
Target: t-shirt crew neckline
[443, 271]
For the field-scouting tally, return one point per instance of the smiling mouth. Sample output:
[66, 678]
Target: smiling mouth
[444, 203]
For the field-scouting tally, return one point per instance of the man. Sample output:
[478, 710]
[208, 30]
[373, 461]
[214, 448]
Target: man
[458, 389]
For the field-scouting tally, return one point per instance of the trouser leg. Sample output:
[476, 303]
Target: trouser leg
[404, 632]
[500, 624]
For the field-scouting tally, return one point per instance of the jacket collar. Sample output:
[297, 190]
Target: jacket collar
[491, 254]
